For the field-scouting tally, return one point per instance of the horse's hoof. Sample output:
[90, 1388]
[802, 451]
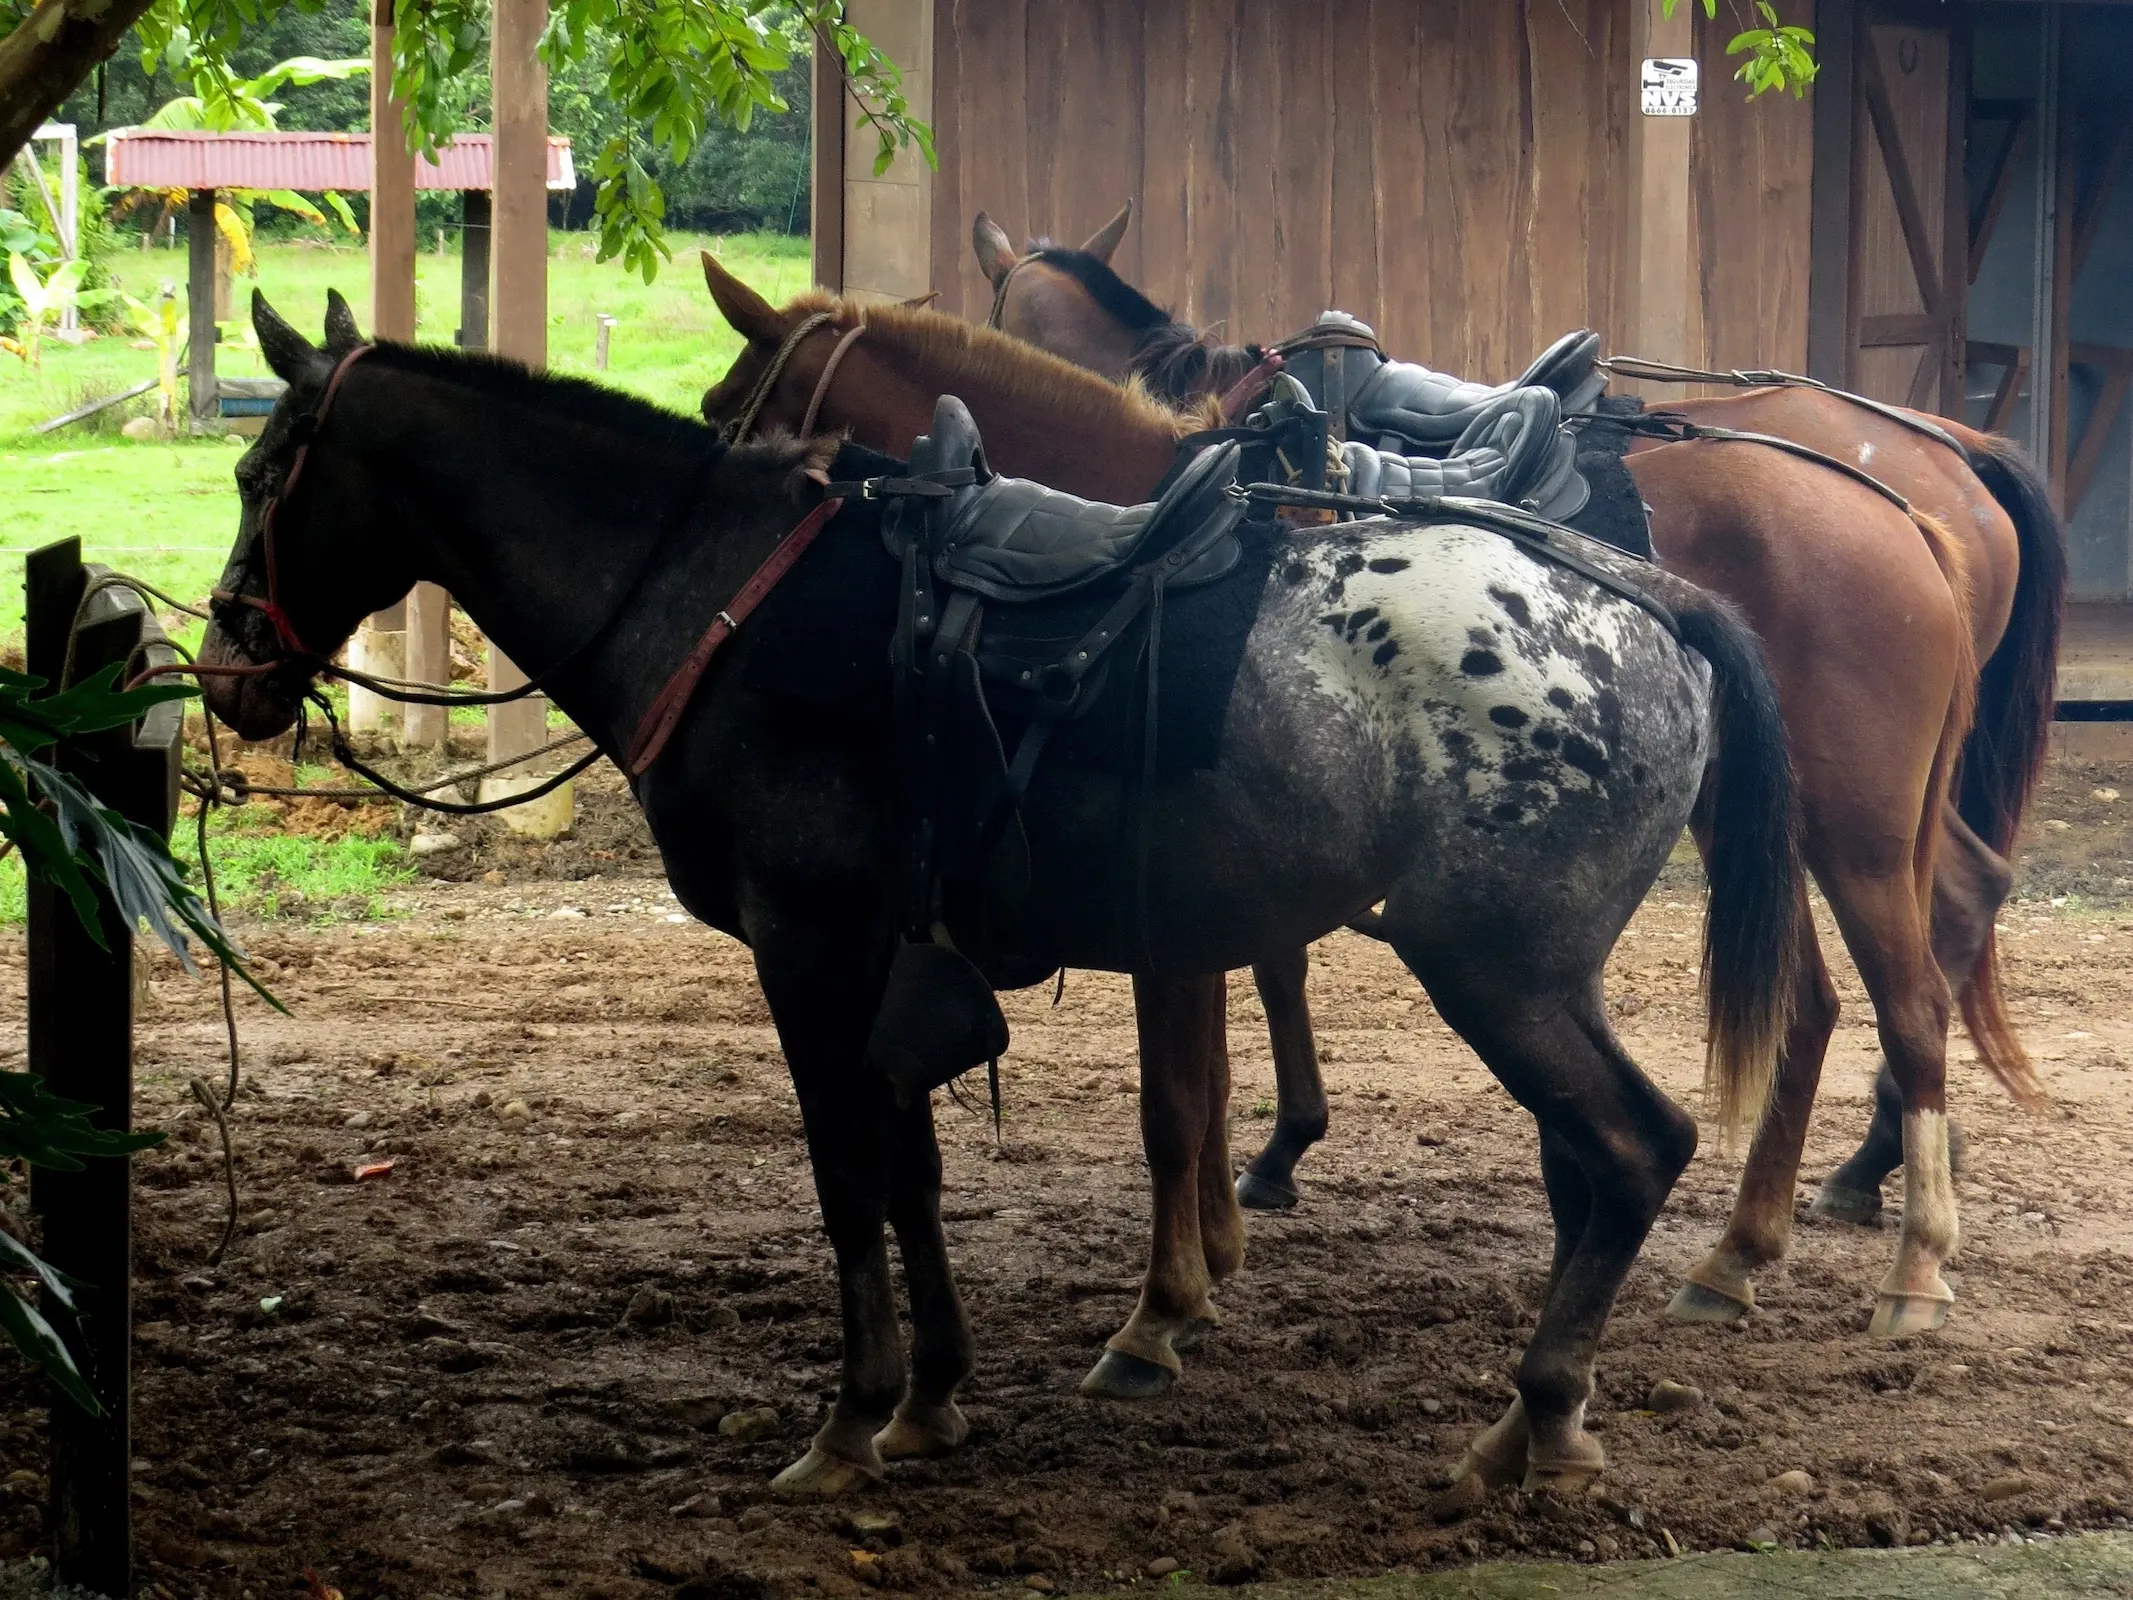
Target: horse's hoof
[1861, 1207]
[1255, 1193]
[1898, 1316]
[1194, 1334]
[819, 1475]
[1697, 1302]
[1462, 1499]
[1119, 1376]
[918, 1433]
[1570, 1474]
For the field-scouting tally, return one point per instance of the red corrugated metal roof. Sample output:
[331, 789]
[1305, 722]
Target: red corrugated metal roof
[148, 158]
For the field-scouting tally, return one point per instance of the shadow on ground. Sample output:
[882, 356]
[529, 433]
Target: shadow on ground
[2053, 1569]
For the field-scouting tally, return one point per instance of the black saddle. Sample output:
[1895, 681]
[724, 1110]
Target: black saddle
[1016, 600]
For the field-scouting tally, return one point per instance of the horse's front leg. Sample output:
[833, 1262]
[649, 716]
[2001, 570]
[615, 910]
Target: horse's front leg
[823, 993]
[1268, 1183]
[1177, 1018]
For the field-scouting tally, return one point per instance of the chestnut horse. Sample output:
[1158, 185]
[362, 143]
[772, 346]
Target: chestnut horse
[1749, 522]
[1827, 566]
[597, 538]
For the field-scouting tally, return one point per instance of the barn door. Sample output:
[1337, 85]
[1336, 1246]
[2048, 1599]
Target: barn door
[1909, 259]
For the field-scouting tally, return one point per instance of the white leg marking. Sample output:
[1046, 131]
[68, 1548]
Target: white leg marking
[1929, 1217]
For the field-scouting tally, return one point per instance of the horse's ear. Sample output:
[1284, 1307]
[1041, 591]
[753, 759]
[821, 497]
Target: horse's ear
[750, 315]
[995, 255]
[288, 352]
[1105, 239]
[919, 302]
[342, 334]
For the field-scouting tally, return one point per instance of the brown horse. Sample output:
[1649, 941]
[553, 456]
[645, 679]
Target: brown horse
[1914, 881]
[875, 372]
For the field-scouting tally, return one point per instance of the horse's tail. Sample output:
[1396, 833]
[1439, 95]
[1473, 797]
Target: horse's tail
[2005, 751]
[1751, 936]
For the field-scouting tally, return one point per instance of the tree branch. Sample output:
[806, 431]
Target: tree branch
[53, 49]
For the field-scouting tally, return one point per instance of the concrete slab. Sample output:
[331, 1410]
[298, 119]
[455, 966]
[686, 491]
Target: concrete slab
[2052, 1569]
[2096, 653]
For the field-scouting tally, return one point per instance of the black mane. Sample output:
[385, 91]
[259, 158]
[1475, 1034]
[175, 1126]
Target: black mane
[1172, 358]
[1119, 299]
[508, 379]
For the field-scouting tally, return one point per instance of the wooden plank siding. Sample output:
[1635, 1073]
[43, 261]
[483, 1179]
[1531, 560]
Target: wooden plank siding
[1453, 171]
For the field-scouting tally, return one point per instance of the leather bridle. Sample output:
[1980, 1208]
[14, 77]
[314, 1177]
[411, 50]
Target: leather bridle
[269, 604]
[743, 425]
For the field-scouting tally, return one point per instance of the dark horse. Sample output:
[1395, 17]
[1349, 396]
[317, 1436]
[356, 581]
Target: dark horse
[593, 536]
[1832, 581]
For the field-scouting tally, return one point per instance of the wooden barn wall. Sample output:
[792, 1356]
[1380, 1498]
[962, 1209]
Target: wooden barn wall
[1457, 172]
[1451, 170]
[1751, 169]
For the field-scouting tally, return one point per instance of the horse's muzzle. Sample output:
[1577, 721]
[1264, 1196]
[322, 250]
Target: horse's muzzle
[259, 705]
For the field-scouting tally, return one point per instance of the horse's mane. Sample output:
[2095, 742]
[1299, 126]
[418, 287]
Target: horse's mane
[934, 342]
[1179, 363]
[504, 378]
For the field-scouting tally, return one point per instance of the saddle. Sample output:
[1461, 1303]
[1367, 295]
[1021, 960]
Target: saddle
[1515, 449]
[1016, 603]
[1411, 409]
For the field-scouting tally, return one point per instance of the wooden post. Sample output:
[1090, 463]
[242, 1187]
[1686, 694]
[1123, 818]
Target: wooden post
[200, 304]
[81, 1043]
[1829, 302]
[1660, 281]
[603, 326]
[429, 660]
[519, 247]
[825, 187]
[392, 316]
[474, 270]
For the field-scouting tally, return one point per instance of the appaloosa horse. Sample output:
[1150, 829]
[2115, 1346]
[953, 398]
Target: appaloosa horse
[594, 537]
[1818, 571]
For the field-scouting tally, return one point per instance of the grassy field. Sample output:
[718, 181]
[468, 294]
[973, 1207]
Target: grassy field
[168, 512]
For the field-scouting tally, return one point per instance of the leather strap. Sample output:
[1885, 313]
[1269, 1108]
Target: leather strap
[665, 712]
[829, 372]
[1639, 369]
[1678, 429]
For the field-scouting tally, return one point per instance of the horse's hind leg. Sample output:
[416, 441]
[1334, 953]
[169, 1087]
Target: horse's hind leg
[1612, 1146]
[927, 1422]
[1721, 1287]
[1221, 1222]
[1970, 883]
[1269, 1182]
[1177, 1019]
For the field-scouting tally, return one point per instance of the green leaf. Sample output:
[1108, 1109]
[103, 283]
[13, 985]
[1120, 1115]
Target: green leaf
[36, 1338]
[20, 1257]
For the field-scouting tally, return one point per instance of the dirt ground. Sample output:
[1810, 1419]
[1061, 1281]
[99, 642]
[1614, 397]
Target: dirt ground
[502, 1367]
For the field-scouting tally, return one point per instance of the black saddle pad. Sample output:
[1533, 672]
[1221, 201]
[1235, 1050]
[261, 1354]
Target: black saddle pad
[822, 637]
[1615, 513]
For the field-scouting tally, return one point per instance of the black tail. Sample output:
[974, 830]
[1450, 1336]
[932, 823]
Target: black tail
[2005, 752]
[1751, 940]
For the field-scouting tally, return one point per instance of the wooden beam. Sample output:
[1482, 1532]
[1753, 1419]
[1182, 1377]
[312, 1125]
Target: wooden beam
[2020, 128]
[1658, 247]
[518, 305]
[200, 304]
[474, 216]
[1955, 220]
[2062, 284]
[392, 194]
[1911, 327]
[1909, 213]
[2096, 435]
[2014, 359]
[825, 192]
[429, 660]
[1830, 198]
[2089, 217]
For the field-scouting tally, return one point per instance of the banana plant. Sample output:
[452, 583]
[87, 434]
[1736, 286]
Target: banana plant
[163, 332]
[44, 299]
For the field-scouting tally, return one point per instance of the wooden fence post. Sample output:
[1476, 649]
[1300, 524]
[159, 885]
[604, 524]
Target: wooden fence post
[81, 1044]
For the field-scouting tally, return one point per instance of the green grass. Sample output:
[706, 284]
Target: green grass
[263, 873]
[168, 512]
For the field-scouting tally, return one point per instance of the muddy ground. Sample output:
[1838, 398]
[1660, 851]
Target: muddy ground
[501, 1368]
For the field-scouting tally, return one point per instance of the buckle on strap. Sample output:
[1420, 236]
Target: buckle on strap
[918, 486]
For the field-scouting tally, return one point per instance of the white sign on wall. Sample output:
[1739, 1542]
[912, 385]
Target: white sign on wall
[1669, 86]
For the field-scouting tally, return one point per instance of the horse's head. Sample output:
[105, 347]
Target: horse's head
[1075, 305]
[293, 590]
[771, 382]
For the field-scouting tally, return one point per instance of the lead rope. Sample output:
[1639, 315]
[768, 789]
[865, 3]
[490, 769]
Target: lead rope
[744, 424]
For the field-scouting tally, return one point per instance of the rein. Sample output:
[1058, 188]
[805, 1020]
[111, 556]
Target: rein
[1677, 429]
[1637, 367]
